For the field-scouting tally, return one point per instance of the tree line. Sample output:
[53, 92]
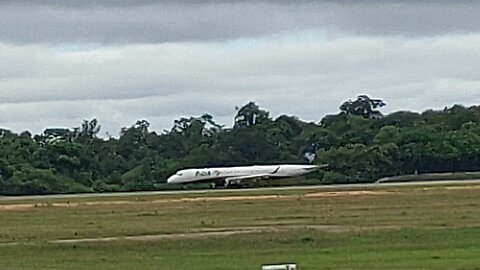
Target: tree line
[359, 143]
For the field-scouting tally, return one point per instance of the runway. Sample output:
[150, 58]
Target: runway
[343, 187]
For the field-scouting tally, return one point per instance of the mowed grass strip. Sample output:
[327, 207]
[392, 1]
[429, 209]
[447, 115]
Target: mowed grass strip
[392, 228]
[414, 207]
[311, 249]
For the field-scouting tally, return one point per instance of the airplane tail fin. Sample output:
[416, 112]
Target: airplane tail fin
[310, 153]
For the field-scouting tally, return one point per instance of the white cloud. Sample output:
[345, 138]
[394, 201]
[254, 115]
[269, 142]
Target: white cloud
[42, 86]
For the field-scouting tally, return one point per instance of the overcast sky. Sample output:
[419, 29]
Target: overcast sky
[122, 60]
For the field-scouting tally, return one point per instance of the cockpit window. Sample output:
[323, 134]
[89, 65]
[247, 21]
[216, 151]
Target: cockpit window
[179, 174]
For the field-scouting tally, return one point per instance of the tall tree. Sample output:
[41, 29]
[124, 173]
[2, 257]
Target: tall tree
[250, 115]
[363, 106]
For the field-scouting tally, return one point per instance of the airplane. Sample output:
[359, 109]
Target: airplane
[235, 175]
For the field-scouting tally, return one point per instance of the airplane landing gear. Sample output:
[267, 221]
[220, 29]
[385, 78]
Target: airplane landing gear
[226, 184]
[233, 184]
[218, 185]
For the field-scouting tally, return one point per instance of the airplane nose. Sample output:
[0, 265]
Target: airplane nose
[171, 179]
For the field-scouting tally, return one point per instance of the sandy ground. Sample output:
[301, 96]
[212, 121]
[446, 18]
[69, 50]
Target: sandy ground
[324, 194]
[319, 194]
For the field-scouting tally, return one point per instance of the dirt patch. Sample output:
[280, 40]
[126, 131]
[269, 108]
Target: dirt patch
[347, 193]
[222, 232]
[16, 207]
[24, 207]
[157, 237]
[229, 198]
[462, 187]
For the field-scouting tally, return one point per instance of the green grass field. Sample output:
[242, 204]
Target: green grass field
[382, 228]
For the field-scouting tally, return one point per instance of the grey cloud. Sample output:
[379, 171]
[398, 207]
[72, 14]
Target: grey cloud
[310, 57]
[122, 22]
[128, 3]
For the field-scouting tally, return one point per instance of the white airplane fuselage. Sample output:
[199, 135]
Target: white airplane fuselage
[230, 174]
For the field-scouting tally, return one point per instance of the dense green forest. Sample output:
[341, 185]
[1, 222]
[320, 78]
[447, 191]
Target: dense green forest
[359, 144]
